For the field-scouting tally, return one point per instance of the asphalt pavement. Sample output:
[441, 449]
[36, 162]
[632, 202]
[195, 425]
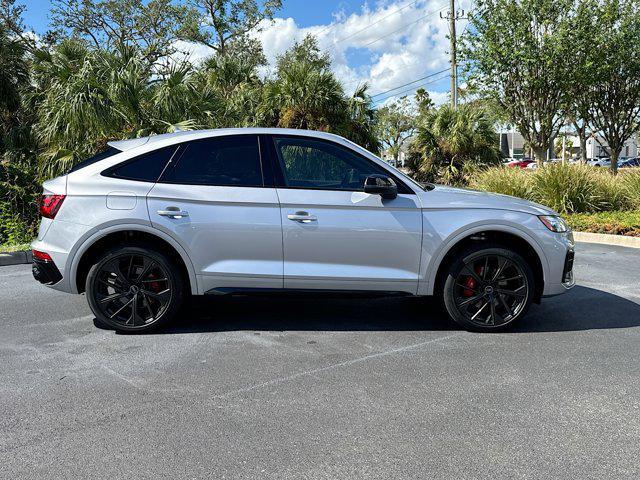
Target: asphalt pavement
[319, 388]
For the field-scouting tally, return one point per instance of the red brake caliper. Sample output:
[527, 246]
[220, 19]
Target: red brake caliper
[471, 283]
[155, 286]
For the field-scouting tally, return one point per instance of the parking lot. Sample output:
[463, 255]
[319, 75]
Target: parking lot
[325, 388]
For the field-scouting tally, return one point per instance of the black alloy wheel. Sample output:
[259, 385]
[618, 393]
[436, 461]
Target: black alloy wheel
[488, 289]
[134, 289]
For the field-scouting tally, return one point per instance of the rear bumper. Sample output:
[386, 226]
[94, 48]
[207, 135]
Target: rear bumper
[45, 272]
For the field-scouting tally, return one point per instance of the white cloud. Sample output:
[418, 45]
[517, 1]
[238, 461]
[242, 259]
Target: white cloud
[393, 47]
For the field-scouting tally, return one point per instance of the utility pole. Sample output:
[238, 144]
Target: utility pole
[452, 16]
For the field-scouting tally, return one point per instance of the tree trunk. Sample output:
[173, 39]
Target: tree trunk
[583, 146]
[582, 136]
[615, 153]
[540, 154]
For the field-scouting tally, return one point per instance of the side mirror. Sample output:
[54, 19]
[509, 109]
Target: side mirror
[381, 185]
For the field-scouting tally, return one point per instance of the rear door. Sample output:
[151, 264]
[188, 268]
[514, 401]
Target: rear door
[214, 201]
[335, 236]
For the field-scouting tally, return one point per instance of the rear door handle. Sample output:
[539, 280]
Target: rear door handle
[173, 212]
[302, 217]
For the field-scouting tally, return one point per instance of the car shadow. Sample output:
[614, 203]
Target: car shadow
[582, 308]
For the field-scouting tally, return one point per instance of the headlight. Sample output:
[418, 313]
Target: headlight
[554, 223]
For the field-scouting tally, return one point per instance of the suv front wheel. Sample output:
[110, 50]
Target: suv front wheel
[488, 288]
[134, 289]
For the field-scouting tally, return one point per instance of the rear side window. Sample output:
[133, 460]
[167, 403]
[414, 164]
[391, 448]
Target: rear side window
[144, 168]
[109, 152]
[222, 161]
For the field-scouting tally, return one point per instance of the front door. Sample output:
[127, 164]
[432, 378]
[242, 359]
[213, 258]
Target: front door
[213, 201]
[335, 236]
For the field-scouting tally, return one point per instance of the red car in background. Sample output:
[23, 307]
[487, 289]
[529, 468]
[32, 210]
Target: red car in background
[520, 163]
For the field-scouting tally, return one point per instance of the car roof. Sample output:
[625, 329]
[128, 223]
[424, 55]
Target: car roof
[187, 135]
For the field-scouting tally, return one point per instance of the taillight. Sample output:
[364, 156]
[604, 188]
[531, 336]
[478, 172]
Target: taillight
[42, 256]
[50, 204]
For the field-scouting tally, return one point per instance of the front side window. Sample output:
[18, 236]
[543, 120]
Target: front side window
[309, 163]
[222, 161]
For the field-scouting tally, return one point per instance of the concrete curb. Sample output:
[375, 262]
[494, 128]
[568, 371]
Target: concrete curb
[607, 239]
[15, 258]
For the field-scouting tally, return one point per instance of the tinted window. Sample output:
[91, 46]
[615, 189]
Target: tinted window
[109, 152]
[310, 163]
[146, 167]
[223, 161]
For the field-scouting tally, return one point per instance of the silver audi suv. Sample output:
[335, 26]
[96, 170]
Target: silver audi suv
[140, 227]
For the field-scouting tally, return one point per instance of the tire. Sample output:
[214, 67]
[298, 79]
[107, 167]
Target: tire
[488, 288]
[134, 276]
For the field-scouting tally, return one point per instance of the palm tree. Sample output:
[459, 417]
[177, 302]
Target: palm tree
[361, 119]
[304, 96]
[450, 139]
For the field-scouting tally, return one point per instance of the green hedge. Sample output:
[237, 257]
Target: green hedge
[567, 188]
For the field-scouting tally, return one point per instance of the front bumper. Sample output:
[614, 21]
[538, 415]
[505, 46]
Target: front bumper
[561, 254]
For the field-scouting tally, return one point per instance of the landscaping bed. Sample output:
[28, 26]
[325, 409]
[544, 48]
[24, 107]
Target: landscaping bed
[613, 223]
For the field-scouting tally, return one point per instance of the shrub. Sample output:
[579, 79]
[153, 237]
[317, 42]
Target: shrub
[630, 181]
[565, 188]
[569, 188]
[508, 181]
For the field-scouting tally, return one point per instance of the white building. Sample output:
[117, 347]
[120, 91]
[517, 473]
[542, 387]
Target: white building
[512, 145]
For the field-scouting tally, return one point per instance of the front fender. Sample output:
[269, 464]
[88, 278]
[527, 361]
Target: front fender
[437, 245]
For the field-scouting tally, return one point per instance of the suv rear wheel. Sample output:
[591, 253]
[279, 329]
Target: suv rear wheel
[134, 289]
[488, 288]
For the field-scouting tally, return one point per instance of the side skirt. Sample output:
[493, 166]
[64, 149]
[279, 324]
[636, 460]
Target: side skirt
[310, 292]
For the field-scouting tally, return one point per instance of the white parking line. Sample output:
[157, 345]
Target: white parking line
[346, 363]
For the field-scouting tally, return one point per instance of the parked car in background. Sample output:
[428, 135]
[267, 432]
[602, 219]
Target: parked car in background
[152, 220]
[599, 162]
[629, 162]
[522, 163]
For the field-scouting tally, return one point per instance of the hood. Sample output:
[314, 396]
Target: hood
[442, 197]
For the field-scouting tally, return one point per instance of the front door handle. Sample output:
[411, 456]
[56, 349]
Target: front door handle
[302, 217]
[173, 212]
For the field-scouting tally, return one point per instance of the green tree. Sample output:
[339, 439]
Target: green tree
[614, 89]
[396, 123]
[449, 140]
[423, 101]
[518, 54]
[18, 176]
[151, 26]
[305, 51]
[219, 24]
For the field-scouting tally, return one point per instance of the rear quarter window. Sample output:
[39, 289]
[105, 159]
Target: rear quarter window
[109, 152]
[143, 168]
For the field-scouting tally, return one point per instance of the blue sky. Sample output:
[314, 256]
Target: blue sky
[306, 13]
[386, 43]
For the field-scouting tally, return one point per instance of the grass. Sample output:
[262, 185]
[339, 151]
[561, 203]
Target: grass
[14, 248]
[616, 223]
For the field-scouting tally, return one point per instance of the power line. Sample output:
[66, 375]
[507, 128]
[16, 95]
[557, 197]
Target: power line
[403, 27]
[409, 83]
[377, 21]
[404, 67]
[332, 25]
[414, 88]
